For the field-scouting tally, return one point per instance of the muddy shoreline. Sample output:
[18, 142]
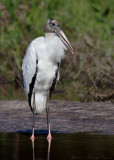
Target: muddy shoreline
[65, 117]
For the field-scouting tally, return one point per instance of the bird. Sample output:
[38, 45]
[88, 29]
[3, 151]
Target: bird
[40, 68]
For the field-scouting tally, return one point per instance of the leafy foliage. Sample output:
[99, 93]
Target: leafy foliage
[88, 25]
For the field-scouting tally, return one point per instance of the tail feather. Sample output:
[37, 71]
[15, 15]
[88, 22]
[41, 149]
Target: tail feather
[40, 102]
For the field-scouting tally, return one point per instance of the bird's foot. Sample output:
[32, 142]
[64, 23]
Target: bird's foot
[32, 137]
[49, 137]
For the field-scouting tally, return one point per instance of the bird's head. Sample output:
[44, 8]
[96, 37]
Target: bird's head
[52, 26]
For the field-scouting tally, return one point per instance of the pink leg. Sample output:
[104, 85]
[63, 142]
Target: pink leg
[32, 137]
[49, 137]
[49, 146]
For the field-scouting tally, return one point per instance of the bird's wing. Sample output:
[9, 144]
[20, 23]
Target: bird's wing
[54, 81]
[30, 69]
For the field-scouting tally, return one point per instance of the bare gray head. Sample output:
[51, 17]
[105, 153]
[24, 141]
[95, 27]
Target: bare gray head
[52, 26]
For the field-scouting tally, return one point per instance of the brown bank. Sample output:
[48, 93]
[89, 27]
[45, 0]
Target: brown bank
[65, 116]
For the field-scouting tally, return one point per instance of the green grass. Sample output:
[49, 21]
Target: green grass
[88, 24]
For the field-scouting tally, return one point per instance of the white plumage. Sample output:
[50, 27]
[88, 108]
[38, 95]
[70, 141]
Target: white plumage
[48, 51]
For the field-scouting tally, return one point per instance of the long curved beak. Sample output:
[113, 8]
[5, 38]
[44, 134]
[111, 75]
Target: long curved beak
[66, 41]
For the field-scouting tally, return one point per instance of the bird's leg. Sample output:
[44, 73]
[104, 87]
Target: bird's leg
[32, 137]
[49, 137]
[49, 146]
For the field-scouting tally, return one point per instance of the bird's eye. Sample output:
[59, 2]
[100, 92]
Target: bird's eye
[53, 24]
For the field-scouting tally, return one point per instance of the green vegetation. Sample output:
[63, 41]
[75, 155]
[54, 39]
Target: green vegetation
[88, 24]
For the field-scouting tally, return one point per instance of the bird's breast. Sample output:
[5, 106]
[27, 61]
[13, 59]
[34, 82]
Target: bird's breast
[45, 76]
[50, 51]
[49, 48]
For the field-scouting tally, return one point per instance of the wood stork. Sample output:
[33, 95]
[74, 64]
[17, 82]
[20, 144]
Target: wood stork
[40, 67]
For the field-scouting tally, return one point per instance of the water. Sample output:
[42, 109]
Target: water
[74, 146]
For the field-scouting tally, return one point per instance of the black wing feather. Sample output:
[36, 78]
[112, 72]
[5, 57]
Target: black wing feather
[31, 86]
[54, 82]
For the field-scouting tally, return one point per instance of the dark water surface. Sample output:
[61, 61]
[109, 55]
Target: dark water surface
[73, 146]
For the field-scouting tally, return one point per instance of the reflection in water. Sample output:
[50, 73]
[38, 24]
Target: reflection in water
[49, 146]
[33, 149]
[75, 146]
[48, 152]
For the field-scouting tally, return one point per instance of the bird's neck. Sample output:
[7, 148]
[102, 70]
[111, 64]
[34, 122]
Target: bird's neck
[50, 34]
